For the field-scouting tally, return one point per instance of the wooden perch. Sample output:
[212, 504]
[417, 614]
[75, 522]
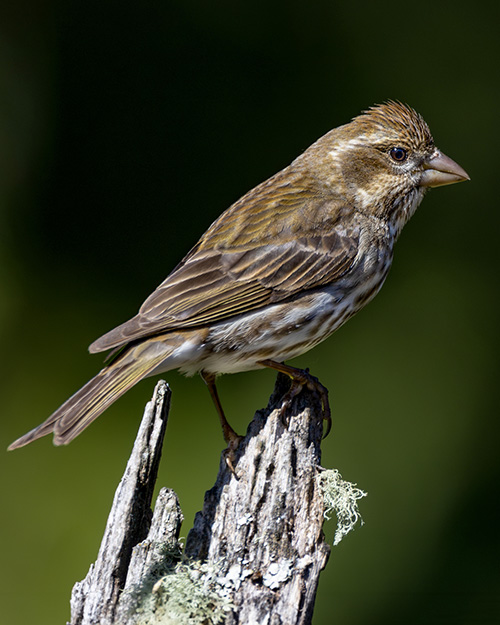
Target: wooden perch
[255, 551]
[95, 599]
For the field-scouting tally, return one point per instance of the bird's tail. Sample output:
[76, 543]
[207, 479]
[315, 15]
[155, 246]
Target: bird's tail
[97, 395]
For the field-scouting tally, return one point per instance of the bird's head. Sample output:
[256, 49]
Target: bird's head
[384, 160]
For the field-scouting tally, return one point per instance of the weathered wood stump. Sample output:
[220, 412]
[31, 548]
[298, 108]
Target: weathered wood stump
[256, 549]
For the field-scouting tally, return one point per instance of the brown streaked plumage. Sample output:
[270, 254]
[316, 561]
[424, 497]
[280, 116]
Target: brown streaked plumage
[277, 272]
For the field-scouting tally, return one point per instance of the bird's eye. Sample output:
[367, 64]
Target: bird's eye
[398, 154]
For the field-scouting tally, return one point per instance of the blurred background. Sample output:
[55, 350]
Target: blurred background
[125, 129]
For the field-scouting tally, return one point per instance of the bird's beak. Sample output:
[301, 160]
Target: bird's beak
[441, 170]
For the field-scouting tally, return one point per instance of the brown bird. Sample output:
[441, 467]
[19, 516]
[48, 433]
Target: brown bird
[279, 271]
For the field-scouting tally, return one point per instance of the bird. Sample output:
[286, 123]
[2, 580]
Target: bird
[278, 272]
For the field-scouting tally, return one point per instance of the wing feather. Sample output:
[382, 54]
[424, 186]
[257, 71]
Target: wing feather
[232, 271]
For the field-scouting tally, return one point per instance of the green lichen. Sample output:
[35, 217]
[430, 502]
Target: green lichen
[340, 498]
[191, 593]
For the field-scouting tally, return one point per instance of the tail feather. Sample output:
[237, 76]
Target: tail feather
[93, 399]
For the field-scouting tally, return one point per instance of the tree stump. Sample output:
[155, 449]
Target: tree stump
[256, 549]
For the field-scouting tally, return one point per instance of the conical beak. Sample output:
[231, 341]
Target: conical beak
[441, 170]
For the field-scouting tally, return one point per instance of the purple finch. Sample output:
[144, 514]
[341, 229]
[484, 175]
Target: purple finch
[278, 271]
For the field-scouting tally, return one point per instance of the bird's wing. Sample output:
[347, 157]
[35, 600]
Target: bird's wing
[223, 277]
[214, 286]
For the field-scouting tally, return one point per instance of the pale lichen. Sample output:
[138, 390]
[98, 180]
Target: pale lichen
[189, 594]
[277, 574]
[340, 497]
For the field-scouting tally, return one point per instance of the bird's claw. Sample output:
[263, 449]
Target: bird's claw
[229, 454]
[304, 379]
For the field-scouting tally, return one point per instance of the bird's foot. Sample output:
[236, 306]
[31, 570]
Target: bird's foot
[229, 453]
[301, 378]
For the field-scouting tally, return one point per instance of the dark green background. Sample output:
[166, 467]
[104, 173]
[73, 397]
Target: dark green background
[125, 129]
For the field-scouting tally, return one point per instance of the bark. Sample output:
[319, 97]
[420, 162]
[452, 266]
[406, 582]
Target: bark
[255, 551]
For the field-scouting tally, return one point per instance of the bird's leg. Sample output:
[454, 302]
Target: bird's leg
[301, 378]
[232, 439]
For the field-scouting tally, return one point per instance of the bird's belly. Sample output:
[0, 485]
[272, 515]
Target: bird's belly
[280, 331]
